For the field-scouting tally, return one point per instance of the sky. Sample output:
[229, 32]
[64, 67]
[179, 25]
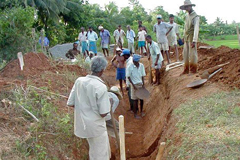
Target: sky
[227, 10]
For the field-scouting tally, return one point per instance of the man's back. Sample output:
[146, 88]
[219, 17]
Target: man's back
[91, 99]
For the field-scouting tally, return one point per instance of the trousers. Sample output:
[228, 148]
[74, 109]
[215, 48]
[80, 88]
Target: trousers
[190, 57]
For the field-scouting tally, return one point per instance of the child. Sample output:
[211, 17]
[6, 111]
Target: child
[141, 40]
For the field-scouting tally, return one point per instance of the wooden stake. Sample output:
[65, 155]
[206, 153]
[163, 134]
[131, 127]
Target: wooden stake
[238, 35]
[161, 151]
[29, 113]
[122, 138]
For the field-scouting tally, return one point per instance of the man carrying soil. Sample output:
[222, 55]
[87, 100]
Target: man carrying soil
[90, 99]
[162, 30]
[191, 30]
[73, 52]
[120, 66]
[135, 74]
[156, 56]
[105, 40]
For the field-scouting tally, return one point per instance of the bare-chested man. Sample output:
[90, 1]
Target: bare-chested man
[121, 75]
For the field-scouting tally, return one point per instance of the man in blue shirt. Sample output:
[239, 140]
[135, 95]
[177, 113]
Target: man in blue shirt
[105, 40]
[130, 38]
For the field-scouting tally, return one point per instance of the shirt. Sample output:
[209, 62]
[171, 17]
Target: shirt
[105, 36]
[154, 51]
[192, 20]
[118, 34]
[114, 105]
[142, 35]
[129, 61]
[45, 41]
[130, 36]
[82, 36]
[92, 36]
[90, 97]
[135, 73]
[174, 31]
[161, 30]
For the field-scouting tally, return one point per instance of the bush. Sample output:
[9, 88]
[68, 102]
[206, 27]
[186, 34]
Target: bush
[15, 31]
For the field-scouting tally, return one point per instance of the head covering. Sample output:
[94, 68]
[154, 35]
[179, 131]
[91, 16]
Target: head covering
[186, 3]
[100, 27]
[116, 91]
[136, 57]
[159, 16]
[91, 52]
[125, 52]
[118, 49]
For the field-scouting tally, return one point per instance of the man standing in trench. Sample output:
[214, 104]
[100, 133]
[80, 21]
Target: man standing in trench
[90, 99]
[191, 30]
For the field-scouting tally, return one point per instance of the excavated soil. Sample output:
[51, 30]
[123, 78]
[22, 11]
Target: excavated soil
[158, 125]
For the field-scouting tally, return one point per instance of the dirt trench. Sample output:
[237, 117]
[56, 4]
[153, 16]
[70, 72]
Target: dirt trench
[156, 126]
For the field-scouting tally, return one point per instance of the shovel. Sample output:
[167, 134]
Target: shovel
[201, 82]
[206, 73]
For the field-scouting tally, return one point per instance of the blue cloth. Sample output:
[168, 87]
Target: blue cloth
[93, 46]
[105, 36]
[141, 44]
[121, 73]
[84, 46]
[125, 52]
[136, 57]
[45, 41]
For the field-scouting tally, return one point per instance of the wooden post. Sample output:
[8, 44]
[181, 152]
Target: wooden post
[115, 129]
[238, 35]
[122, 138]
[161, 151]
[34, 40]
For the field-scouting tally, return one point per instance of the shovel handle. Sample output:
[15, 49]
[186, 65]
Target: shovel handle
[214, 73]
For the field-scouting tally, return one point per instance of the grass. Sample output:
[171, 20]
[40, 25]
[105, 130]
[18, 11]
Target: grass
[226, 40]
[209, 128]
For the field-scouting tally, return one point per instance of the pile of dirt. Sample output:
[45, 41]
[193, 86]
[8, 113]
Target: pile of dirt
[33, 64]
[212, 57]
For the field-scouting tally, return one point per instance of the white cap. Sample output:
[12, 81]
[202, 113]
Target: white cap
[118, 49]
[159, 16]
[100, 27]
[116, 90]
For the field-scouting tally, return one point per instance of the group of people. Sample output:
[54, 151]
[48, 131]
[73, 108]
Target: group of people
[90, 96]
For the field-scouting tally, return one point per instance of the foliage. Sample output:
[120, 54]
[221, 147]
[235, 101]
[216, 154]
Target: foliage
[15, 31]
[209, 128]
[229, 43]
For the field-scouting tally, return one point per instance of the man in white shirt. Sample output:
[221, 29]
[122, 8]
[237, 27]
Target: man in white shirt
[130, 38]
[90, 99]
[135, 74]
[173, 35]
[162, 29]
[156, 56]
[82, 37]
[89, 58]
[141, 40]
[129, 60]
[118, 35]
[92, 39]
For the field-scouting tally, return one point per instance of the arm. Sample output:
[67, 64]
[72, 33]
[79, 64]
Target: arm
[143, 74]
[71, 99]
[114, 58]
[156, 62]
[103, 103]
[169, 31]
[154, 29]
[196, 31]
[132, 83]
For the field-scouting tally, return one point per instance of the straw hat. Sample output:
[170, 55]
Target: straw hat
[186, 3]
[116, 91]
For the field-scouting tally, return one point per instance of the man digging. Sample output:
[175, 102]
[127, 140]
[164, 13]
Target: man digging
[135, 74]
[191, 30]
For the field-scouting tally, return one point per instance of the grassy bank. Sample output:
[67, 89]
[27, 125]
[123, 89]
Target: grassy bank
[226, 40]
[209, 128]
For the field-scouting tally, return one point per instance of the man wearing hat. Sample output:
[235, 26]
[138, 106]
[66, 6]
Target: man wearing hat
[156, 56]
[105, 40]
[129, 60]
[82, 37]
[191, 31]
[162, 29]
[120, 66]
[135, 74]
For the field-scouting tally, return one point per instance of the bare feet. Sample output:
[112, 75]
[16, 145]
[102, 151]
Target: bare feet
[143, 114]
[137, 116]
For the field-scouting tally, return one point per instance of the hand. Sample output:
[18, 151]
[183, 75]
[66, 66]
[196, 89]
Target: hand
[127, 88]
[149, 58]
[155, 63]
[135, 87]
[183, 40]
[193, 44]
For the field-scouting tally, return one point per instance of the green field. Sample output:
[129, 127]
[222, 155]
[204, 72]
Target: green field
[228, 40]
